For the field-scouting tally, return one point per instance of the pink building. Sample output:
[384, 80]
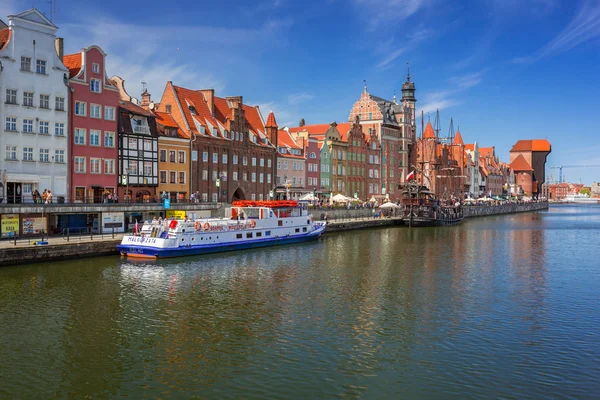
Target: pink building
[92, 127]
[311, 153]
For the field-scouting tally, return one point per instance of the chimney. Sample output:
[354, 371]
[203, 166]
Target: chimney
[60, 47]
[209, 96]
[145, 103]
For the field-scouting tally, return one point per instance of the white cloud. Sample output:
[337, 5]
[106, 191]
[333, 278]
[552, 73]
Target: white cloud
[378, 12]
[585, 26]
[467, 81]
[296, 98]
[438, 100]
[389, 51]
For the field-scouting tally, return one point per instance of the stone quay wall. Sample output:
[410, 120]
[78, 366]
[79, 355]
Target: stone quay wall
[52, 252]
[484, 211]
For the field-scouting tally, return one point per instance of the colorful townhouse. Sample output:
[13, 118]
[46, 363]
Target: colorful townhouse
[173, 159]
[324, 191]
[93, 146]
[290, 167]
[234, 151]
[312, 155]
[34, 143]
[138, 148]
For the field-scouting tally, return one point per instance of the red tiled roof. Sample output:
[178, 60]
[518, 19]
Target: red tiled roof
[532, 145]
[343, 128]
[254, 119]
[486, 151]
[4, 37]
[458, 139]
[271, 120]
[470, 147]
[285, 139]
[222, 110]
[520, 164]
[73, 63]
[429, 133]
[195, 99]
[319, 129]
[164, 119]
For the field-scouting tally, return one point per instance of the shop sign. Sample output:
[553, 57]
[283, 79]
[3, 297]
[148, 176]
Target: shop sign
[177, 214]
[9, 225]
[112, 220]
[34, 225]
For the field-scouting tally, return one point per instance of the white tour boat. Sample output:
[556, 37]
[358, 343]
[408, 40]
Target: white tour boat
[579, 198]
[247, 224]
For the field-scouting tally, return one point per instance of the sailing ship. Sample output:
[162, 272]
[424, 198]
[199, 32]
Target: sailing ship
[246, 225]
[420, 205]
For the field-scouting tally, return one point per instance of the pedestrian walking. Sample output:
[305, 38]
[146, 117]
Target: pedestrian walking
[44, 196]
[49, 197]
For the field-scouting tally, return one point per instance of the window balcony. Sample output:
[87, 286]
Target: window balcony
[143, 130]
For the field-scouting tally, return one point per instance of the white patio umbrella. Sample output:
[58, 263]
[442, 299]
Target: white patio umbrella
[389, 204]
[308, 197]
[340, 198]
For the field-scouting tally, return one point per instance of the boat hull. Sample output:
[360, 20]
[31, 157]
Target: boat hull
[429, 222]
[147, 252]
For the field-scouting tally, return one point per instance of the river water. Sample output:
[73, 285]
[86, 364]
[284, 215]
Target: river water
[498, 307]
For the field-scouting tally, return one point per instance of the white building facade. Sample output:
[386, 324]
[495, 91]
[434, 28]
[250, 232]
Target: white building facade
[34, 144]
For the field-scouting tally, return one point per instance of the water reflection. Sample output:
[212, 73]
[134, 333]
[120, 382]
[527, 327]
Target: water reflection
[498, 307]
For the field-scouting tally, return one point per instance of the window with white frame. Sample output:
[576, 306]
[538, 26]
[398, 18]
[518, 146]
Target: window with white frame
[254, 161]
[28, 99]
[132, 143]
[204, 196]
[95, 85]
[235, 159]
[285, 165]
[95, 110]
[147, 168]
[261, 178]
[254, 177]
[11, 96]
[268, 178]
[172, 156]
[59, 156]
[205, 156]
[109, 139]
[96, 68]
[244, 160]
[11, 124]
[215, 158]
[181, 157]
[26, 64]
[79, 136]
[262, 162]
[45, 101]
[59, 104]
[214, 197]
[11, 153]
[163, 176]
[109, 113]
[214, 175]
[204, 174]
[147, 144]
[40, 67]
[27, 153]
[181, 177]
[79, 165]
[94, 137]
[132, 167]
[28, 125]
[268, 163]
[278, 164]
[244, 176]
[44, 127]
[109, 166]
[253, 196]
[44, 155]
[94, 165]
[235, 175]
[80, 108]
[294, 166]
[224, 158]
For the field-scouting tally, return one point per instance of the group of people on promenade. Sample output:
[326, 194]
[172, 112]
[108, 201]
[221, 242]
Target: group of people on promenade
[44, 198]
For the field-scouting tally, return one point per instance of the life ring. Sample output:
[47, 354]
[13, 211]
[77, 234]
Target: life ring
[197, 225]
[206, 226]
[252, 224]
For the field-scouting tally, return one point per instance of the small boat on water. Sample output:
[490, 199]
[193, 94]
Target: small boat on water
[247, 224]
[578, 198]
[420, 207]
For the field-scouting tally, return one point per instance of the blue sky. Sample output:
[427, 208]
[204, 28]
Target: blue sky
[503, 69]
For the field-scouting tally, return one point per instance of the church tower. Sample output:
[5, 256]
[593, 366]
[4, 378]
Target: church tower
[408, 96]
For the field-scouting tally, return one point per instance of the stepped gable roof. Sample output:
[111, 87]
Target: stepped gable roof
[73, 63]
[458, 139]
[429, 133]
[4, 37]
[165, 120]
[520, 164]
[532, 145]
[134, 108]
[271, 123]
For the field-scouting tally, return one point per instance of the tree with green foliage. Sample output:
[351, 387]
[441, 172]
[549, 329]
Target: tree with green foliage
[585, 191]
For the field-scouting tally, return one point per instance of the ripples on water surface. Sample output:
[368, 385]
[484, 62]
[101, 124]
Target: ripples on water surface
[498, 307]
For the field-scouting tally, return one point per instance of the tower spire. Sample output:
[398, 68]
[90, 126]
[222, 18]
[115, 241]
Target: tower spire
[408, 73]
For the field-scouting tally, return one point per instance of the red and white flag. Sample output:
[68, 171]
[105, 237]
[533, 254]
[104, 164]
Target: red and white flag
[410, 176]
[136, 228]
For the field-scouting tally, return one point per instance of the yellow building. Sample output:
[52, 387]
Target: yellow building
[173, 159]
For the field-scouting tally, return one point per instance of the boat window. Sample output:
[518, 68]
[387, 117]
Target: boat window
[258, 234]
[249, 235]
[308, 222]
[280, 223]
[304, 229]
[238, 236]
[297, 230]
[268, 233]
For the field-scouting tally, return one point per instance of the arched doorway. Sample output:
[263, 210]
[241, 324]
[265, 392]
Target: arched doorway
[238, 195]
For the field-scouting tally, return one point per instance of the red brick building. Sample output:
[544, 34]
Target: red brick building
[528, 161]
[233, 150]
[92, 128]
